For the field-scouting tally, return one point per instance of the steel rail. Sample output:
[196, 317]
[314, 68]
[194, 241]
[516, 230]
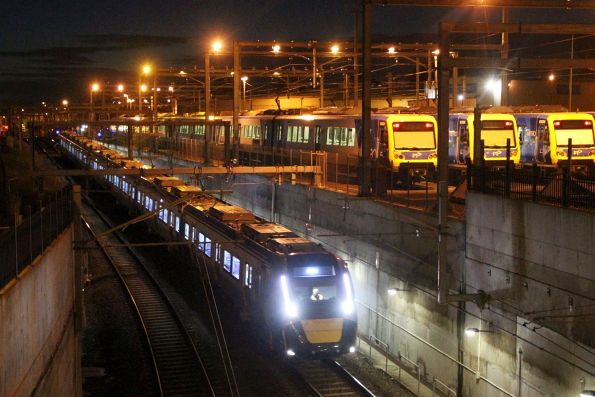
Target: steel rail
[162, 327]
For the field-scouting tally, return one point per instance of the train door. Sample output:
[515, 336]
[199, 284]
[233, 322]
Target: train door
[317, 134]
[543, 142]
[379, 138]
[453, 139]
[266, 137]
[383, 140]
[463, 137]
[279, 136]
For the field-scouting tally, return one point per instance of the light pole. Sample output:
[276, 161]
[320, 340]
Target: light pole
[94, 88]
[216, 48]
[244, 80]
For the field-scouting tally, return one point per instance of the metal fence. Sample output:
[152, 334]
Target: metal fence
[32, 232]
[559, 186]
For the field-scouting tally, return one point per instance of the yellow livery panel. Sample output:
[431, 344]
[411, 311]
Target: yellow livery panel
[323, 330]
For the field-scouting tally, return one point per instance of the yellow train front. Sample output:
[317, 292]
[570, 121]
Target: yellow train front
[316, 305]
[408, 142]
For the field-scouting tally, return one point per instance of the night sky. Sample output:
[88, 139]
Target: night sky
[52, 49]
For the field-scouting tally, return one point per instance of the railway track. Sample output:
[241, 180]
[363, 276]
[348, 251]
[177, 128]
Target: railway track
[327, 378]
[179, 368]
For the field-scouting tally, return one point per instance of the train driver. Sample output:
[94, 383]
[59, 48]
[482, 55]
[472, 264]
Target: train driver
[316, 295]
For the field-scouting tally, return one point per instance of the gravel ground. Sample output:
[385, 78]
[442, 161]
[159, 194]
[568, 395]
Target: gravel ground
[112, 339]
[375, 379]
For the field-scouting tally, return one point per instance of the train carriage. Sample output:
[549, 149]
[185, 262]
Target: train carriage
[496, 130]
[406, 141]
[545, 138]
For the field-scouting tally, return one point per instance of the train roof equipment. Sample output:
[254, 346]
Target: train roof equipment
[261, 232]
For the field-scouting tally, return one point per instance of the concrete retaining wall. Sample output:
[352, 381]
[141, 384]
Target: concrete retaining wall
[37, 340]
[391, 247]
[538, 265]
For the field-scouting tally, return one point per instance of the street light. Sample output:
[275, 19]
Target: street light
[391, 50]
[120, 87]
[217, 46]
[335, 49]
[276, 48]
[244, 79]
[65, 102]
[551, 77]
[94, 88]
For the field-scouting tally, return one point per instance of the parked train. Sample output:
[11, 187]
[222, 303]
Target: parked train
[401, 139]
[498, 131]
[295, 292]
[545, 138]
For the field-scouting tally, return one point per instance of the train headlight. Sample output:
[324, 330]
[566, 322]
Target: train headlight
[561, 153]
[348, 303]
[289, 306]
[351, 349]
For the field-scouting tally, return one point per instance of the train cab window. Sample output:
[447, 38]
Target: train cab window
[280, 133]
[266, 132]
[321, 290]
[580, 131]
[248, 276]
[256, 132]
[187, 231]
[235, 267]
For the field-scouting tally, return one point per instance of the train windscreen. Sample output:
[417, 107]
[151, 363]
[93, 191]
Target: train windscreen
[414, 135]
[580, 131]
[495, 133]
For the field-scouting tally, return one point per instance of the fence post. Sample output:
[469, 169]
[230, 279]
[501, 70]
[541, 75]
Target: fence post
[16, 246]
[469, 176]
[30, 238]
[482, 164]
[534, 182]
[507, 170]
[41, 222]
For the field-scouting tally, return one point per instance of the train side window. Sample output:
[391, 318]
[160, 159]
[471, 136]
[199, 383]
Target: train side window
[337, 136]
[280, 134]
[306, 137]
[257, 132]
[343, 136]
[201, 241]
[248, 276]
[329, 135]
[227, 261]
[187, 231]
[235, 267]
[208, 247]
